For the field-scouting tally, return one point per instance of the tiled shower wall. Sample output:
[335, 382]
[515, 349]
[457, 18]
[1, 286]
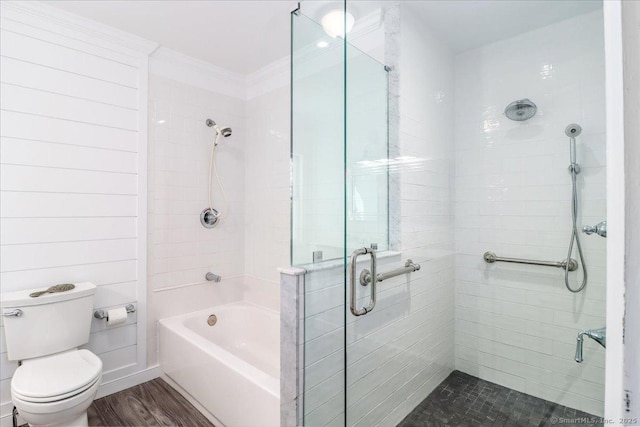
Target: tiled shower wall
[180, 154]
[516, 325]
[267, 198]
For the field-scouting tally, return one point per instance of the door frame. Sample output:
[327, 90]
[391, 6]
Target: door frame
[615, 305]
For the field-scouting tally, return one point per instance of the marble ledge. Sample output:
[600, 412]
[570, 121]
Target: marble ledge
[331, 264]
[292, 271]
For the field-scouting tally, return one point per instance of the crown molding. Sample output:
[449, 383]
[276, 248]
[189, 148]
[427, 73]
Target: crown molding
[269, 78]
[69, 24]
[186, 69]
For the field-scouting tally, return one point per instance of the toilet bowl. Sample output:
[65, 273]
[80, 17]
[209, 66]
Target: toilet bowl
[55, 382]
[57, 390]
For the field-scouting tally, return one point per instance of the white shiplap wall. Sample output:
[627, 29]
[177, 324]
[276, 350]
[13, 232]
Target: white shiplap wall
[73, 170]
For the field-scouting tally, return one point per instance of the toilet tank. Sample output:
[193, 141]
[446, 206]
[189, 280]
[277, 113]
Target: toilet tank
[50, 323]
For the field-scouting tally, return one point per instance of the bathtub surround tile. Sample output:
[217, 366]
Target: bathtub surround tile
[267, 179]
[462, 399]
[512, 196]
[291, 352]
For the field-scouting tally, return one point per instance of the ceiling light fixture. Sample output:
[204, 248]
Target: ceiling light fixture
[335, 23]
[322, 44]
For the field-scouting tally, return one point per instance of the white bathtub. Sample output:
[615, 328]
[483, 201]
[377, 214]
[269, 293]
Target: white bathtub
[233, 368]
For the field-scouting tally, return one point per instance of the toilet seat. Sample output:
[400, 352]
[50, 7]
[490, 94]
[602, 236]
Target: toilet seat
[57, 377]
[82, 400]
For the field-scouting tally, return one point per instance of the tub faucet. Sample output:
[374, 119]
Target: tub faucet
[598, 335]
[213, 277]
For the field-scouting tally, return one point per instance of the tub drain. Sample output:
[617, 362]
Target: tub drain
[211, 320]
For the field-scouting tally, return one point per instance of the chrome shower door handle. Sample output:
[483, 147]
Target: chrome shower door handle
[354, 280]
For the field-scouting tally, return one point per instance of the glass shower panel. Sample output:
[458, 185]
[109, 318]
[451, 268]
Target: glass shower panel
[317, 143]
[367, 163]
[319, 132]
[318, 150]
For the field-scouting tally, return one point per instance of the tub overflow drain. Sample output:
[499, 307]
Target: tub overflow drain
[212, 320]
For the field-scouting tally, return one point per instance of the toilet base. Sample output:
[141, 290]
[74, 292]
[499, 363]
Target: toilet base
[81, 421]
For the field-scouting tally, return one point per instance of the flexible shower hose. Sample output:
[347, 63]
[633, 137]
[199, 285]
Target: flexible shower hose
[213, 169]
[574, 238]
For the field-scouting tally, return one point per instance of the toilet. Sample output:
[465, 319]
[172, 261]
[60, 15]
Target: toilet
[55, 382]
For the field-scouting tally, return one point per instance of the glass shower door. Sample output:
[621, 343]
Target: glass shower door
[369, 308]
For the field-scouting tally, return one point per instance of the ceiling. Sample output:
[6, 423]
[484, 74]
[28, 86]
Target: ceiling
[238, 35]
[468, 24]
[245, 35]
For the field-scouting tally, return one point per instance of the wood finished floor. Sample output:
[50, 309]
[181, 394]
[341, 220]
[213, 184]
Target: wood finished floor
[154, 403]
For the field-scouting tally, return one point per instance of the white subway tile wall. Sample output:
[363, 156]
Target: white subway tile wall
[516, 325]
[182, 250]
[267, 175]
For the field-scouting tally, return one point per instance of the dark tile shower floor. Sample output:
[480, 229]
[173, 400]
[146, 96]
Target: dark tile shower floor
[464, 400]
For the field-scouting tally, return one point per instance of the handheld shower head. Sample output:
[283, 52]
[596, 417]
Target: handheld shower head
[573, 130]
[220, 130]
[224, 131]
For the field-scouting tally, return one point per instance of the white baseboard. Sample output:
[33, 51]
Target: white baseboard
[128, 381]
[7, 419]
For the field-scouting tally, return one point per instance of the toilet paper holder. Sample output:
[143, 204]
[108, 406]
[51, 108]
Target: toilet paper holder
[102, 314]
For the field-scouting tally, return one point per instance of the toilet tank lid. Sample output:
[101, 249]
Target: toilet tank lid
[22, 298]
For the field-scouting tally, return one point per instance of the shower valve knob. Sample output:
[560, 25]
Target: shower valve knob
[600, 229]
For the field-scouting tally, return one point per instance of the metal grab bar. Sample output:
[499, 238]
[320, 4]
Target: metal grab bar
[491, 257]
[372, 299]
[409, 267]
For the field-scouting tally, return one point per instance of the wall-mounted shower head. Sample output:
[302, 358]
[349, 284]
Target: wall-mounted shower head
[573, 130]
[521, 110]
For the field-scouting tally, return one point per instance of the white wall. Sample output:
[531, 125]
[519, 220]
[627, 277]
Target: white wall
[267, 173]
[516, 325]
[73, 166]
